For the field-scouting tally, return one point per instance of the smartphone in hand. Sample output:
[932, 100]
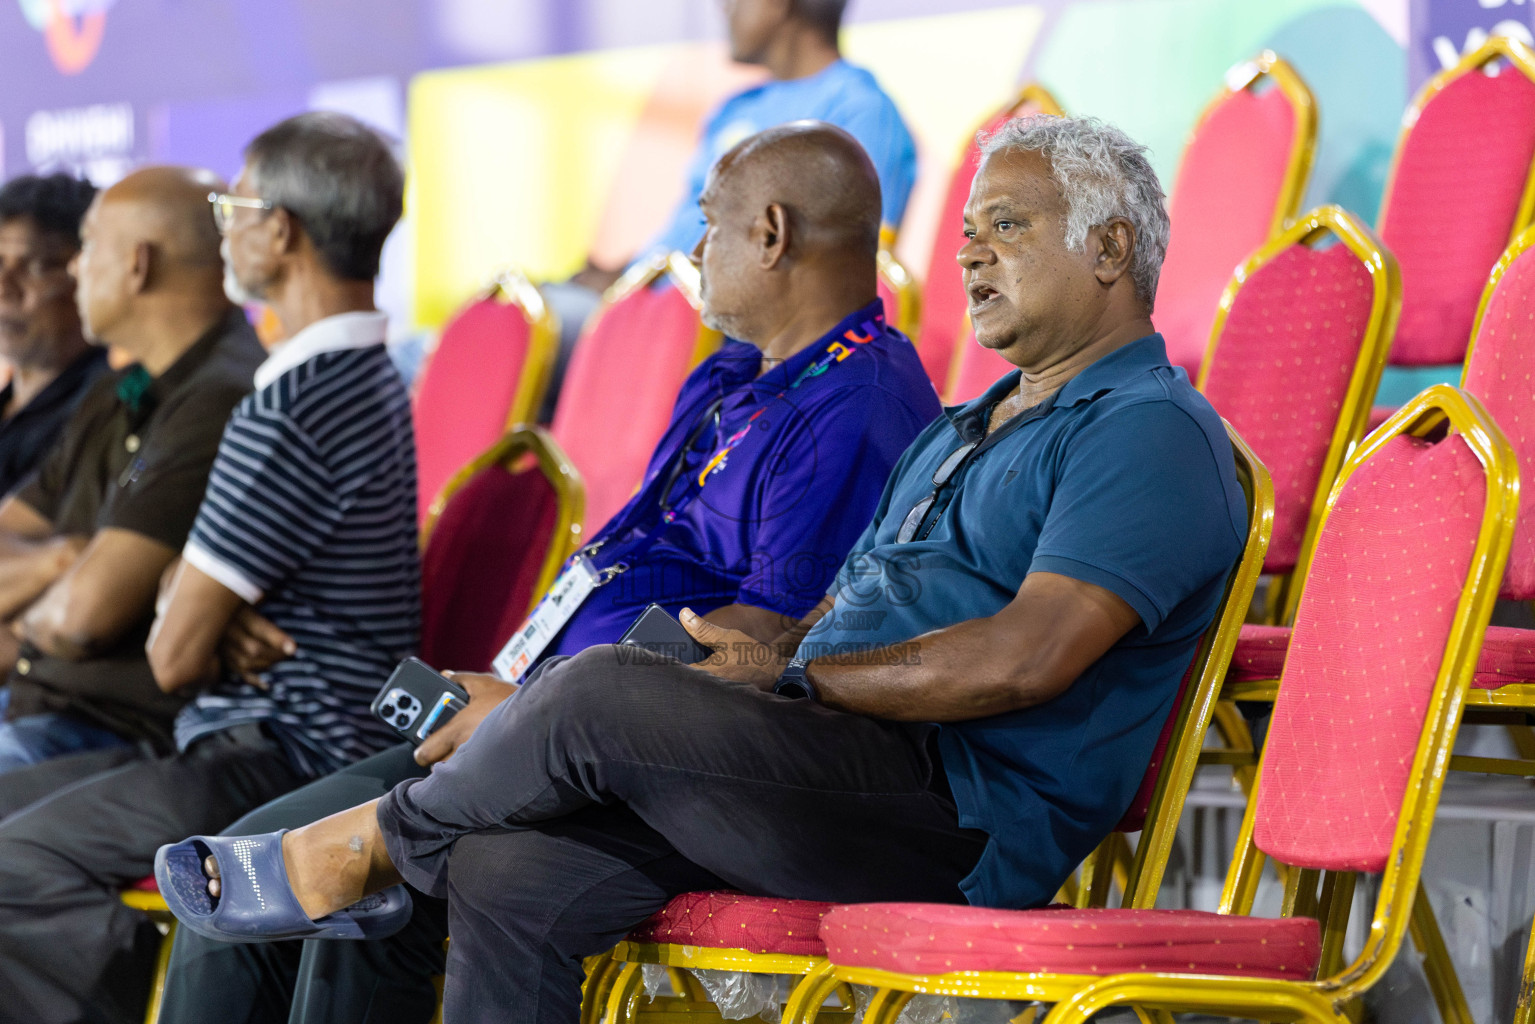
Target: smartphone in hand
[417, 700]
[658, 632]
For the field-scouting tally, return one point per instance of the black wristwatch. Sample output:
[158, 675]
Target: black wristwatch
[795, 683]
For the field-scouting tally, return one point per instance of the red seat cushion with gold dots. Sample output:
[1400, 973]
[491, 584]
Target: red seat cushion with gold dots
[1508, 655]
[733, 920]
[932, 938]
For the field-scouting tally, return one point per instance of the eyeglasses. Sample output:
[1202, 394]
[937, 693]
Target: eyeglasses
[918, 514]
[224, 206]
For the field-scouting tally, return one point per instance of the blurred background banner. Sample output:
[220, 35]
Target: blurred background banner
[539, 130]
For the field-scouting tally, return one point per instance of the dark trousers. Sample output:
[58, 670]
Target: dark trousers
[386, 982]
[69, 950]
[617, 779]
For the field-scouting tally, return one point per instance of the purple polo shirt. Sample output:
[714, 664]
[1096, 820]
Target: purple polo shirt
[777, 515]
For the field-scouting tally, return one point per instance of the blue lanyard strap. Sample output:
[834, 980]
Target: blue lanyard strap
[838, 346]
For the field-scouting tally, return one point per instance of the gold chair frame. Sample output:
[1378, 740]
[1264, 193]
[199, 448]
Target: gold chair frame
[1078, 997]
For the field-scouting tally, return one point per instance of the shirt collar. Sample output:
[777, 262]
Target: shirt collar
[188, 362]
[332, 334]
[1113, 370]
[739, 363]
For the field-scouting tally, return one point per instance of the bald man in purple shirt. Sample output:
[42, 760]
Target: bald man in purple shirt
[777, 452]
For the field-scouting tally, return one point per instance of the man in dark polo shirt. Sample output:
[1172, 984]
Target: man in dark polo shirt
[84, 543]
[966, 713]
[40, 334]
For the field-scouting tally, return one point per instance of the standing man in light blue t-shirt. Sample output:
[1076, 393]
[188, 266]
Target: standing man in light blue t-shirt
[796, 41]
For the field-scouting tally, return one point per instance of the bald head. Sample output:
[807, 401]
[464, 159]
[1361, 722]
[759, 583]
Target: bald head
[819, 174]
[167, 208]
[792, 235]
[150, 257]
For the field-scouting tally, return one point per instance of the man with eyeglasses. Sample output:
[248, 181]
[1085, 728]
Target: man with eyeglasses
[41, 339]
[964, 716]
[83, 543]
[308, 514]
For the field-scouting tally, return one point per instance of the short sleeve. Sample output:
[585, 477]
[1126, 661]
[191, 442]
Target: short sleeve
[271, 504]
[818, 499]
[165, 482]
[1144, 507]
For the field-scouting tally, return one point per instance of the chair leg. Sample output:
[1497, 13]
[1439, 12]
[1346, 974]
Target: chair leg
[1437, 966]
[807, 995]
[162, 966]
[886, 1006]
[623, 999]
[1524, 1012]
[600, 974]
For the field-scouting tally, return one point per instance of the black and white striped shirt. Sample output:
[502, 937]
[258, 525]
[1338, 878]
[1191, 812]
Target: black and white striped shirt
[310, 515]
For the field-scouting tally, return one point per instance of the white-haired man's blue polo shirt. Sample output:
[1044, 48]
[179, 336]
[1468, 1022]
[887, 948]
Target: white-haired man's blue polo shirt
[1124, 479]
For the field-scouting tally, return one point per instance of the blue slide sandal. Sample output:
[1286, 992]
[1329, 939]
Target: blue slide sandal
[255, 903]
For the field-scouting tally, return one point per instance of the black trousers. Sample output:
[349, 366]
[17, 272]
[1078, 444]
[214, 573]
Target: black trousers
[69, 950]
[618, 779]
[386, 982]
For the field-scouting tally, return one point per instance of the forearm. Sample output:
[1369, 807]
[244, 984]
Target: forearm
[192, 616]
[29, 568]
[965, 671]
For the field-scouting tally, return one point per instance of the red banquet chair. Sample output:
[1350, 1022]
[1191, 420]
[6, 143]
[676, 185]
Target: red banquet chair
[1398, 595]
[974, 369]
[493, 542]
[1499, 371]
[899, 292]
[1243, 174]
[943, 294]
[1294, 358]
[624, 377]
[1460, 190]
[488, 372]
[734, 932]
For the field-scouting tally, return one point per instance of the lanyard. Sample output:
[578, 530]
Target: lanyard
[842, 341]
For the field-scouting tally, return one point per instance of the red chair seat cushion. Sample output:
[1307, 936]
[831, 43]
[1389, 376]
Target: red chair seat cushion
[1508, 655]
[928, 938]
[145, 885]
[1260, 652]
[733, 920]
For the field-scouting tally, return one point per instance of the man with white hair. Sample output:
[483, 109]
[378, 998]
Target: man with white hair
[966, 714]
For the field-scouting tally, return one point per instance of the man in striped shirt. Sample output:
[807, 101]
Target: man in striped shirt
[309, 516]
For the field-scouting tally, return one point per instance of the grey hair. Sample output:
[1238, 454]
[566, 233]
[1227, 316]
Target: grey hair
[1102, 174]
[339, 178]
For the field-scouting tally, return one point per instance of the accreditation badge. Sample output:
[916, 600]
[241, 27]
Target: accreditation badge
[570, 588]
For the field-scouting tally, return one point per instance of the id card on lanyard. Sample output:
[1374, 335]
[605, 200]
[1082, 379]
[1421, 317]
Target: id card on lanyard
[569, 590]
[580, 577]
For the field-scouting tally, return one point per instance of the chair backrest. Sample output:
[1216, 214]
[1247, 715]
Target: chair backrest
[1397, 599]
[899, 292]
[489, 371]
[492, 545]
[975, 368]
[1295, 356]
[1166, 783]
[1459, 191]
[624, 376]
[1500, 372]
[1243, 173]
[943, 293]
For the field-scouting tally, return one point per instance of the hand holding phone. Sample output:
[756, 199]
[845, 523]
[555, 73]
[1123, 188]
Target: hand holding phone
[418, 700]
[656, 631]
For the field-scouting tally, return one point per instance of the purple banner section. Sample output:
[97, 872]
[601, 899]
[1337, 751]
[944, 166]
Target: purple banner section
[1442, 30]
[97, 85]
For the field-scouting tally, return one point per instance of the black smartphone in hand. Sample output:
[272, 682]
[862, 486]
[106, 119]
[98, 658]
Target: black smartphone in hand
[418, 700]
[656, 631]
